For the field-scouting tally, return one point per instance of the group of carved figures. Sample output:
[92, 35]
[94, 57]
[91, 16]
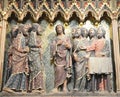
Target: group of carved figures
[80, 56]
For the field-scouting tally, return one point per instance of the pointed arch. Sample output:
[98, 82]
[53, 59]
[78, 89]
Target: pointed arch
[106, 9]
[105, 17]
[90, 9]
[59, 14]
[75, 10]
[90, 17]
[12, 9]
[44, 15]
[43, 10]
[28, 9]
[27, 17]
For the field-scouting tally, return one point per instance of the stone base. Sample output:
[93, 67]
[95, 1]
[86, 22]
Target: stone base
[71, 94]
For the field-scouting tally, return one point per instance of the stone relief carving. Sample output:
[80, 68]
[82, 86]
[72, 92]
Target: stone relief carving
[73, 52]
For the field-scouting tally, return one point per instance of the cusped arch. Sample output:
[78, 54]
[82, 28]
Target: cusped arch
[106, 9]
[28, 9]
[27, 16]
[79, 15]
[43, 14]
[91, 9]
[74, 9]
[56, 13]
[12, 9]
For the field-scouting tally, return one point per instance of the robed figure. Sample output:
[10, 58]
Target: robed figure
[60, 50]
[36, 78]
[19, 62]
[79, 57]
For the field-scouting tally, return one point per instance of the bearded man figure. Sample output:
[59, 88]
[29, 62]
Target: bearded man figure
[62, 59]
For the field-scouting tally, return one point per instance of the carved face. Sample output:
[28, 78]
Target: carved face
[14, 31]
[84, 32]
[59, 29]
[77, 33]
[100, 33]
[39, 30]
[91, 32]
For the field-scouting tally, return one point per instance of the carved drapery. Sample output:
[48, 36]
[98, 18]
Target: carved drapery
[66, 9]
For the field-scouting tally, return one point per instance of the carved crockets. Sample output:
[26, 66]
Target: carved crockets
[77, 57]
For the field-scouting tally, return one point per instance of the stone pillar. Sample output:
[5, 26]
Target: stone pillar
[2, 48]
[116, 51]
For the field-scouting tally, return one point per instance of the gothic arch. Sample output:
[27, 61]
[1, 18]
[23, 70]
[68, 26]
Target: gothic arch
[28, 9]
[12, 9]
[58, 10]
[43, 10]
[56, 14]
[105, 8]
[28, 16]
[106, 17]
[91, 9]
[75, 9]
[43, 15]
[76, 15]
[90, 17]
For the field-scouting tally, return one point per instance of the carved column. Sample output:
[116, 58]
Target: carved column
[116, 51]
[2, 48]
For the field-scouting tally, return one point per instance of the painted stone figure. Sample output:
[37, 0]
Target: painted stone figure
[19, 63]
[102, 54]
[62, 59]
[79, 56]
[36, 79]
[91, 86]
[12, 35]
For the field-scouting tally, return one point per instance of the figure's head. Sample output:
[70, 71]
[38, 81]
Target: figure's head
[92, 32]
[77, 33]
[27, 27]
[14, 31]
[84, 32]
[22, 29]
[101, 32]
[59, 29]
[37, 28]
[73, 32]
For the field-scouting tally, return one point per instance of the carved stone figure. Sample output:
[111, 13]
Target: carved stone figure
[19, 62]
[102, 54]
[13, 33]
[79, 56]
[62, 59]
[36, 79]
[92, 36]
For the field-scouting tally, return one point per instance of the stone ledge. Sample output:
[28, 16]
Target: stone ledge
[75, 94]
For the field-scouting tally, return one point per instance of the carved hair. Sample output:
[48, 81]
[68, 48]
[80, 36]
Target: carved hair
[14, 31]
[83, 32]
[62, 28]
[21, 28]
[103, 31]
[35, 27]
[95, 31]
